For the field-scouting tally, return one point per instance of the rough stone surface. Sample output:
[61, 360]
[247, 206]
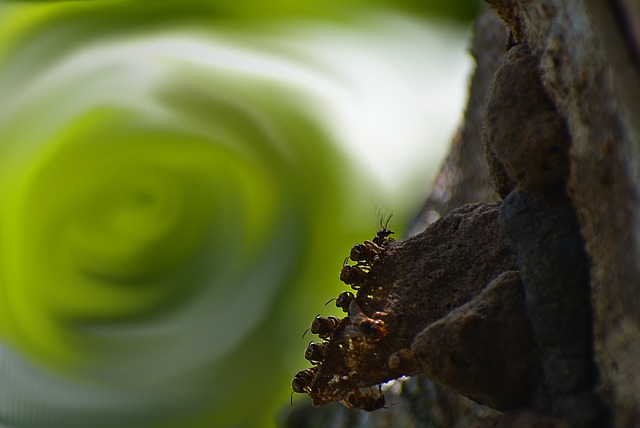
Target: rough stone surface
[440, 275]
[592, 77]
[499, 176]
[544, 230]
[509, 12]
[522, 126]
[484, 349]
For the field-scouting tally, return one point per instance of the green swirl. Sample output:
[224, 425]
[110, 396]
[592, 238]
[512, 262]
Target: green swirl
[166, 225]
[161, 223]
[106, 224]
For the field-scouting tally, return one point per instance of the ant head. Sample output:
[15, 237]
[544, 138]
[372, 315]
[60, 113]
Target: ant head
[316, 324]
[297, 385]
[358, 252]
[344, 298]
[383, 233]
[310, 352]
[346, 274]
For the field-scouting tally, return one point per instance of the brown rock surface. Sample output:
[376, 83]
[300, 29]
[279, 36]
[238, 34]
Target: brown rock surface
[414, 283]
[522, 126]
[484, 349]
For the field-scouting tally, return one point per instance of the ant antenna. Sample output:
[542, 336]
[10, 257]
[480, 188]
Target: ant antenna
[386, 223]
[305, 332]
[383, 223]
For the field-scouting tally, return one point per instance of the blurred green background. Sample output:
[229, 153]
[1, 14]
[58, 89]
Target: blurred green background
[180, 182]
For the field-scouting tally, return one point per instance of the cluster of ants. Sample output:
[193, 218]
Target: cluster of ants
[372, 328]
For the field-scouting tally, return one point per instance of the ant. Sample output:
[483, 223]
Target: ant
[367, 402]
[301, 382]
[381, 236]
[343, 300]
[372, 327]
[323, 327]
[352, 275]
[316, 352]
[365, 254]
